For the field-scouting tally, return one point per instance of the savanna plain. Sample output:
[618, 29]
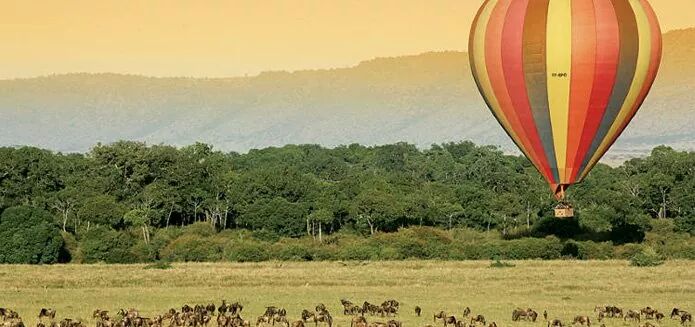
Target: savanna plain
[563, 288]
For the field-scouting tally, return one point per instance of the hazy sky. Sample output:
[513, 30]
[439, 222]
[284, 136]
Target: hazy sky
[235, 37]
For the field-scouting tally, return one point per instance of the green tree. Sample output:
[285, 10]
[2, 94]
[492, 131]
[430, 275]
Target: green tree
[29, 235]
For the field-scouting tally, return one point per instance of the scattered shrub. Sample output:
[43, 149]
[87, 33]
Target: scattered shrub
[246, 251]
[192, 247]
[646, 258]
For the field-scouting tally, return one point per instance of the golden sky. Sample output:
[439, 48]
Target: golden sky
[216, 38]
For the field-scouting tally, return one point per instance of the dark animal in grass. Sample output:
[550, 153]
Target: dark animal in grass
[545, 315]
[461, 323]
[648, 312]
[492, 324]
[466, 312]
[438, 315]
[359, 320]
[659, 316]
[686, 317]
[418, 310]
[321, 307]
[478, 319]
[324, 317]
[601, 316]
[614, 312]
[47, 313]
[394, 323]
[582, 320]
[263, 320]
[450, 320]
[308, 315]
[555, 323]
[281, 320]
[676, 313]
[632, 315]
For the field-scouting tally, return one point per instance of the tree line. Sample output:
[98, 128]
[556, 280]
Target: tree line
[314, 192]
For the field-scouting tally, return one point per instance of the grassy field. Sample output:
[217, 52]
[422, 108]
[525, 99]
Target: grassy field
[564, 288]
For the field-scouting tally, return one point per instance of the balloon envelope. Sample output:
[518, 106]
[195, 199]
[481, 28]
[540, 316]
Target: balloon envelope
[564, 77]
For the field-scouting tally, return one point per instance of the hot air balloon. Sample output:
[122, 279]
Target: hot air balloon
[564, 77]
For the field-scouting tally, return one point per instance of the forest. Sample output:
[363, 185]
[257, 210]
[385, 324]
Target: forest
[134, 202]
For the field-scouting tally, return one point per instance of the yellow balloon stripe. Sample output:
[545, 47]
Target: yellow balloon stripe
[643, 64]
[478, 54]
[559, 63]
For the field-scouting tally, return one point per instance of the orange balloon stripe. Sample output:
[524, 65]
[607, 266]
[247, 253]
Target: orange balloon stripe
[642, 82]
[607, 55]
[582, 76]
[479, 70]
[654, 62]
[512, 65]
[493, 57]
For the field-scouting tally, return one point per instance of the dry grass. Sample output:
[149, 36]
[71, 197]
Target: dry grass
[564, 288]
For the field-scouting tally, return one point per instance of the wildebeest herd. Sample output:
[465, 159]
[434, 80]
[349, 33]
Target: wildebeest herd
[364, 315]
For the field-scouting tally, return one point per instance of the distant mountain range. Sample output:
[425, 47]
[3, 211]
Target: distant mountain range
[421, 99]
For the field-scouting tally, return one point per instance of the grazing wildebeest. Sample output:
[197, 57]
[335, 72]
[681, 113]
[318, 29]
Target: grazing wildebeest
[210, 308]
[676, 313]
[632, 315]
[466, 312]
[321, 308]
[348, 307]
[282, 320]
[308, 315]
[394, 323]
[324, 317]
[438, 315]
[545, 315]
[555, 323]
[358, 321]
[582, 320]
[601, 316]
[450, 320]
[492, 324]
[47, 313]
[461, 323]
[525, 314]
[659, 316]
[614, 312]
[478, 319]
[13, 322]
[98, 313]
[222, 320]
[263, 320]
[648, 312]
[686, 317]
[418, 310]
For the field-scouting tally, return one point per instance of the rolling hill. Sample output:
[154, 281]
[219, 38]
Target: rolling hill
[422, 99]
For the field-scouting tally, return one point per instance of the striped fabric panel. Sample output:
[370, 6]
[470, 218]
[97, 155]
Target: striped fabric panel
[564, 77]
[648, 59]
